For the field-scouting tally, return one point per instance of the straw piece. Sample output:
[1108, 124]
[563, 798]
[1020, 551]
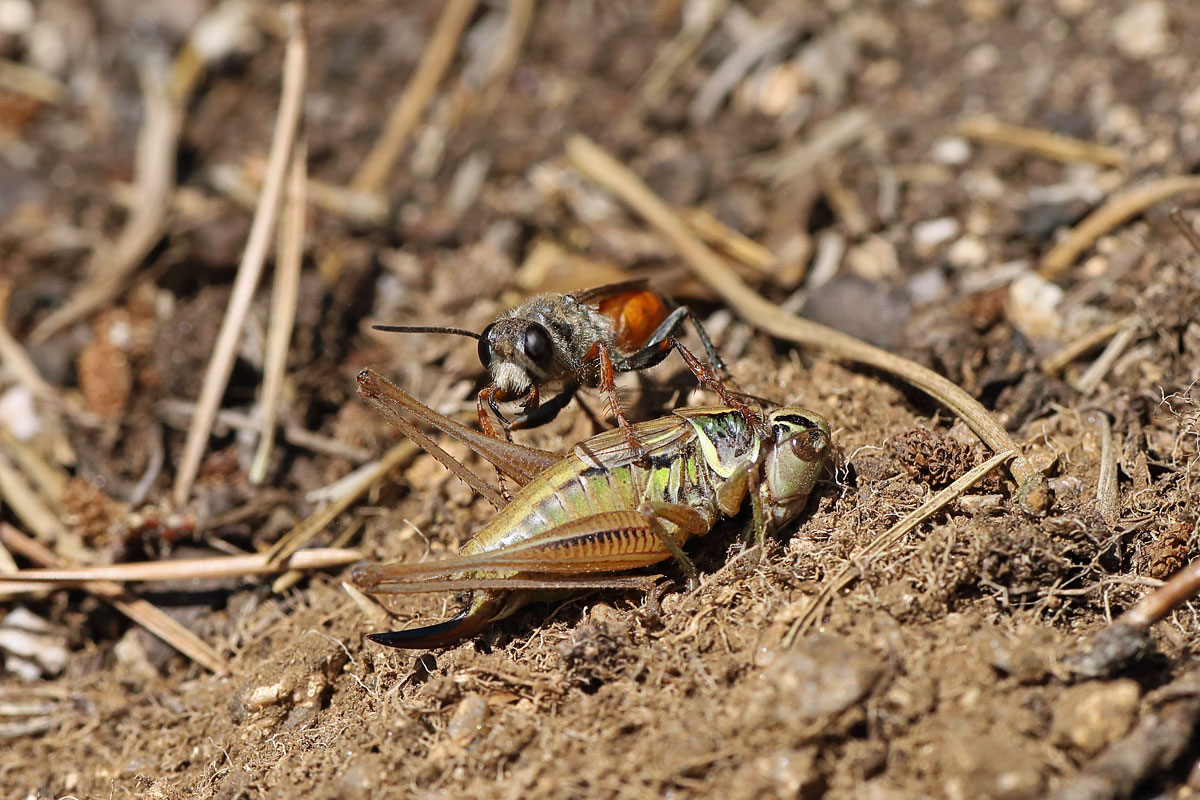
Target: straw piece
[220, 366]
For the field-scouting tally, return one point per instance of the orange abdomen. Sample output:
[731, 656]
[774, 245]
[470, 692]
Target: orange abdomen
[635, 316]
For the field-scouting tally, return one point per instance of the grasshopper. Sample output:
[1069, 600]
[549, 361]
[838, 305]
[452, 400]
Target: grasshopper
[601, 508]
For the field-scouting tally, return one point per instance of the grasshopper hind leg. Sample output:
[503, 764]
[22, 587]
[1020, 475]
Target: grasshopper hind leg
[485, 608]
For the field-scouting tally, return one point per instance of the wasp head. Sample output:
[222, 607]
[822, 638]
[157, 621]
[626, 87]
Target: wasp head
[517, 353]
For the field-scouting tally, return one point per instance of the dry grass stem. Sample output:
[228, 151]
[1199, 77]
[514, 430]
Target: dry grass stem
[220, 366]
[822, 144]
[1057, 362]
[1107, 500]
[1095, 373]
[31, 508]
[371, 609]
[507, 53]
[154, 168]
[436, 59]
[616, 178]
[729, 241]
[284, 296]
[140, 611]
[1050, 145]
[188, 569]
[1124, 206]
[289, 579]
[677, 54]
[30, 81]
[1186, 230]
[292, 434]
[762, 44]
[300, 535]
[858, 563]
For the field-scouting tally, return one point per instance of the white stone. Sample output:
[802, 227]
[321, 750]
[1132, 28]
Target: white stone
[16, 16]
[967, 253]
[951, 151]
[1033, 306]
[1141, 30]
[929, 234]
[17, 413]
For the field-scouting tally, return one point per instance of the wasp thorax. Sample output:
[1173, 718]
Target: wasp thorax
[517, 353]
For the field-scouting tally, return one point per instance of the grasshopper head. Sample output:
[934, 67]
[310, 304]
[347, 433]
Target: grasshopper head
[794, 460]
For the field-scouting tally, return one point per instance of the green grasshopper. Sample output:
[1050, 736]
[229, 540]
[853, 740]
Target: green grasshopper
[599, 509]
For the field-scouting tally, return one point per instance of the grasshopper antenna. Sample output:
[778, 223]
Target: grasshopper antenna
[424, 329]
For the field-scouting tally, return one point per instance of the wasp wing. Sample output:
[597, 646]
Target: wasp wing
[594, 295]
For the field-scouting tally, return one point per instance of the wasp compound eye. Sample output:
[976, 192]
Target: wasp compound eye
[485, 346]
[537, 345]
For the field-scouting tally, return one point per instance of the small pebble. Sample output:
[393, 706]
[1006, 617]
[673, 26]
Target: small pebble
[969, 252]
[1033, 306]
[927, 286]
[951, 151]
[821, 675]
[1140, 32]
[873, 260]
[1092, 715]
[928, 235]
[468, 720]
[17, 413]
[16, 16]
[33, 649]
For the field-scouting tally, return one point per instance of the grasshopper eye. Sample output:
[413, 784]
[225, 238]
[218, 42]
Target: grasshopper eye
[810, 445]
[537, 345]
[485, 346]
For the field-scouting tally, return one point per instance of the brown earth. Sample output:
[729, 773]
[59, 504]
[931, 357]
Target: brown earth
[938, 673]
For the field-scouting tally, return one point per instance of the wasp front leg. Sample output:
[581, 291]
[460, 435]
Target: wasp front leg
[705, 375]
[607, 385]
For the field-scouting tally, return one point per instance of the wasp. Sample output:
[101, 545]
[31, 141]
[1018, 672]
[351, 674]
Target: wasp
[599, 509]
[565, 341]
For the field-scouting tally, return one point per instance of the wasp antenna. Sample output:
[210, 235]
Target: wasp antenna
[424, 329]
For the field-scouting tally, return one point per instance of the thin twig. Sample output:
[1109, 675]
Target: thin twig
[1125, 206]
[616, 178]
[140, 611]
[31, 509]
[292, 433]
[284, 297]
[300, 535]
[220, 366]
[1050, 145]
[1057, 362]
[187, 569]
[857, 564]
